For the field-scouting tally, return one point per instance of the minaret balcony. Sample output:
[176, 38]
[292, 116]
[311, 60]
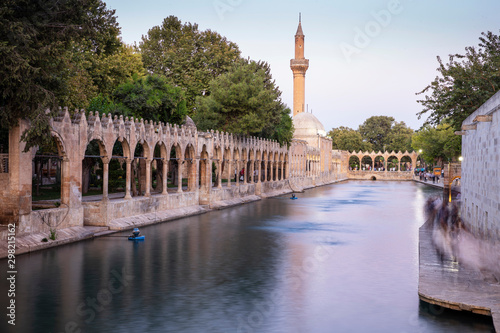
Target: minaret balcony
[299, 64]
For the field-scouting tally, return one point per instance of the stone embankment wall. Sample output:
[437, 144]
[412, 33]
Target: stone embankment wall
[481, 170]
[380, 175]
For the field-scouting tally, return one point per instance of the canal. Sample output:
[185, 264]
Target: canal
[341, 258]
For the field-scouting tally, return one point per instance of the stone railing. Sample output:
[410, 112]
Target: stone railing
[4, 163]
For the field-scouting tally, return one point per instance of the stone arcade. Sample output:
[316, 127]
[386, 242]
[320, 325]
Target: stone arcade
[280, 168]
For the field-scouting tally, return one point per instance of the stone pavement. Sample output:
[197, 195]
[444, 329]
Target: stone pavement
[33, 242]
[447, 283]
[438, 184]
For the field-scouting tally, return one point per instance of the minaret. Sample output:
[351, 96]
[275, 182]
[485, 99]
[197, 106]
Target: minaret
[299, 66]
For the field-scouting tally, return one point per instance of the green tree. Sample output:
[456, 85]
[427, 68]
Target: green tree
[151, 98]
[375, 130]
[399, 137]
[245, 101]
[438, 143]
[189, 58]
[345, 138]
[463, 84]
[99, 73]
[36, 39]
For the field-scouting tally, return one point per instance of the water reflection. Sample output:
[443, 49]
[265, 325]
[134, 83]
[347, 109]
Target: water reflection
[340, 258]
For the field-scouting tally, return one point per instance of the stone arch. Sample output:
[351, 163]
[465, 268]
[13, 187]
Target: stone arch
[176, 158]
[275, 168]
[406, 163]
[117, 168]
[217, 165]
[95, 165]
[263, 165]
[257, 166]
[392, 163]
[354, 163]
[205, 176]
[379, 162]
[227, 165]
[50, 169]
[367, 162]
[141, 166]
[61, 149]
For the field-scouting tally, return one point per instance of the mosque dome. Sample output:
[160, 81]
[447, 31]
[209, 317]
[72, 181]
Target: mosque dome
[307, 125]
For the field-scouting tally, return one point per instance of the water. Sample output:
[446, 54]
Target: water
[342, 258]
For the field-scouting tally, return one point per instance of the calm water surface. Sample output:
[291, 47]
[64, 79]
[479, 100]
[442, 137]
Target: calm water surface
[342, 258]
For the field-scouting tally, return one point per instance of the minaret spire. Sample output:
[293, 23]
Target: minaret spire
[299, 66]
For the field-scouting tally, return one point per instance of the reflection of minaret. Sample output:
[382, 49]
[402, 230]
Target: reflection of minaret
[299, 66]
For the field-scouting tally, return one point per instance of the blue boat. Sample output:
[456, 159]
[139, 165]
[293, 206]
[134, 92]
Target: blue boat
[293, 197]
[135, 235]
[139, 238]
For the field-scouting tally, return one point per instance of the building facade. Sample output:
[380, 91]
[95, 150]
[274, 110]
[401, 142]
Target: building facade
[481, 170]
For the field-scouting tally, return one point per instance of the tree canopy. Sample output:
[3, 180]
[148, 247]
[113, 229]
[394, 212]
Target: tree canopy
[245, 101]
[187, 57]
[464, 83]
[383, 133]
[438, 143]
[151, 98]
[345, 138]
[36, 43]
[377, 133]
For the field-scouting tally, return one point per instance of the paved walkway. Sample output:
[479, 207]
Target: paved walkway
[445, 282]
[33, 242]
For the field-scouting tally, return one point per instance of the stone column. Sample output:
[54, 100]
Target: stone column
[259, 176]
[165, 178]
[179, 175]
[229, 172]
[65, 183]
[128, 173]
[219, 174]
[282, 170]
[245, 176]
[105, 177]
[251, 171]
[237, 165]
[148, 178]
[273, 172]
[265, 170]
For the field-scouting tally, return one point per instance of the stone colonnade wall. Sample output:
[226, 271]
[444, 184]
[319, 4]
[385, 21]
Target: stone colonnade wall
[386, 155]
[375, 173]
[480, 183]
[267, 167]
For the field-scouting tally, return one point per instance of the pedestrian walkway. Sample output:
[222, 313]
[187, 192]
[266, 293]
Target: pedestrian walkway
[33, 242]
[447, 283]
[438, 184]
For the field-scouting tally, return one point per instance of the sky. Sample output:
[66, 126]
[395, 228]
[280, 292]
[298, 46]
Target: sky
[366, 57]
